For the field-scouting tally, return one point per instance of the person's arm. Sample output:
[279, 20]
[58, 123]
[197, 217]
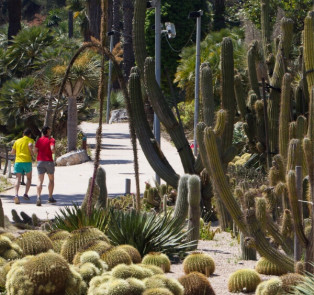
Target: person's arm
[52, 148]
[31, 149]
[13, 150]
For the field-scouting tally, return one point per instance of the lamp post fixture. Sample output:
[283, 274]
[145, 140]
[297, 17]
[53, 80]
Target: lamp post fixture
[197, 15]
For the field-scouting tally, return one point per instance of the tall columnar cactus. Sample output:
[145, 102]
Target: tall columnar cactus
[147, 140]
[139, 33]
[194, 213]
[286, 36]
[284, 117]
[101, 182]
[251, 60]
[228, 102]
[239, 95]
[1, 215]
[309, 49]
[206, 87]
[182, 205]
[274, 101]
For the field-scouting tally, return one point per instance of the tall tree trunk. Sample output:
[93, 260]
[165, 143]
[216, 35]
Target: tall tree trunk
[94, 16]
[72, 124]
[128, 54]
[116, 22]
[219, 14]
[14, 11]
[110, 15]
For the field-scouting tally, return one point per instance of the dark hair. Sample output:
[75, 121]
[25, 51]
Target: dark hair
[27, 132]
[45, 130]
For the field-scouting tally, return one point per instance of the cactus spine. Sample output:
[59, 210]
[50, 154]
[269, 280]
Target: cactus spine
[194, 199]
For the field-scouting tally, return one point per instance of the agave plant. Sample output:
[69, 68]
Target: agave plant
[148, 232]
[73, 218]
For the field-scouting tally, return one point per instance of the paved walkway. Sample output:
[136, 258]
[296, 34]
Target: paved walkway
[71, 181]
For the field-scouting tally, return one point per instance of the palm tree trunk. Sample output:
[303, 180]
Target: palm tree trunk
[94, 16]
[72, 124]
[14, 11]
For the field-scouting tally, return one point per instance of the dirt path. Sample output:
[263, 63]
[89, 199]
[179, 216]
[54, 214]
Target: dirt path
[71, 181]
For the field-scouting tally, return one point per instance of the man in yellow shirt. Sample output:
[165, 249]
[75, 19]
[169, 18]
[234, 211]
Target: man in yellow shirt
[23, 149]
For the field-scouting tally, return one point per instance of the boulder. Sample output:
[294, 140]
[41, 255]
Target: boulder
[72, 158]
[118, 116]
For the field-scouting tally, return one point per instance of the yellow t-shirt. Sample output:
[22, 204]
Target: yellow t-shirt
[23, 154]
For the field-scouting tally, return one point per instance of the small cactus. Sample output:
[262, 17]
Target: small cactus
[158, 259]
[133, 252]
[161, 281]
[196, 283]
[158, 291]
[289, 280]
[123, 271]
[78, 239]
[96, 245]
[155, 269]
[243, 280]
[266, 267]
[200, 262]
[115, 256]
[270, 287]
[34, 242]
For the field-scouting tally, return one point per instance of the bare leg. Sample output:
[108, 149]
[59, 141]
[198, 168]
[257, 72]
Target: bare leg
[17, 183]
[40, 185]
[28, 182]
[51, 184]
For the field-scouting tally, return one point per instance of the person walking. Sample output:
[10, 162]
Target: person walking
[23, 149]
[45, 148]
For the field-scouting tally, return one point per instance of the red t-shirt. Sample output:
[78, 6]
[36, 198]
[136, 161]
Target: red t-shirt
[44, 151]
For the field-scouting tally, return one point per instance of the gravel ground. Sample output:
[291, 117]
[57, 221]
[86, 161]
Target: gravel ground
[226, 253]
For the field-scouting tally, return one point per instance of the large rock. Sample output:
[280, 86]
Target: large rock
[118, 116]
[73, 158]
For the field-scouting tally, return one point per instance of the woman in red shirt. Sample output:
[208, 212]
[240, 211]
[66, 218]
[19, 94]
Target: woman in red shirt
[45, 148]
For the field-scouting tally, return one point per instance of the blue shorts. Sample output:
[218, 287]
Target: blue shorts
[23, 167]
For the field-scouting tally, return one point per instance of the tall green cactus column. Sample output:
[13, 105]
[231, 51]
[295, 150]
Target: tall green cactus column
[284, 117]
[309, 49]
[194, 199]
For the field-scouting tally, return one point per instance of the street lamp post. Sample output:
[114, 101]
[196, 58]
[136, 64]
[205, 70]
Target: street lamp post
[110, 34]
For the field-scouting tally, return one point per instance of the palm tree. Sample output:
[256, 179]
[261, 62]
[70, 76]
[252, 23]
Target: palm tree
[84, 73]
